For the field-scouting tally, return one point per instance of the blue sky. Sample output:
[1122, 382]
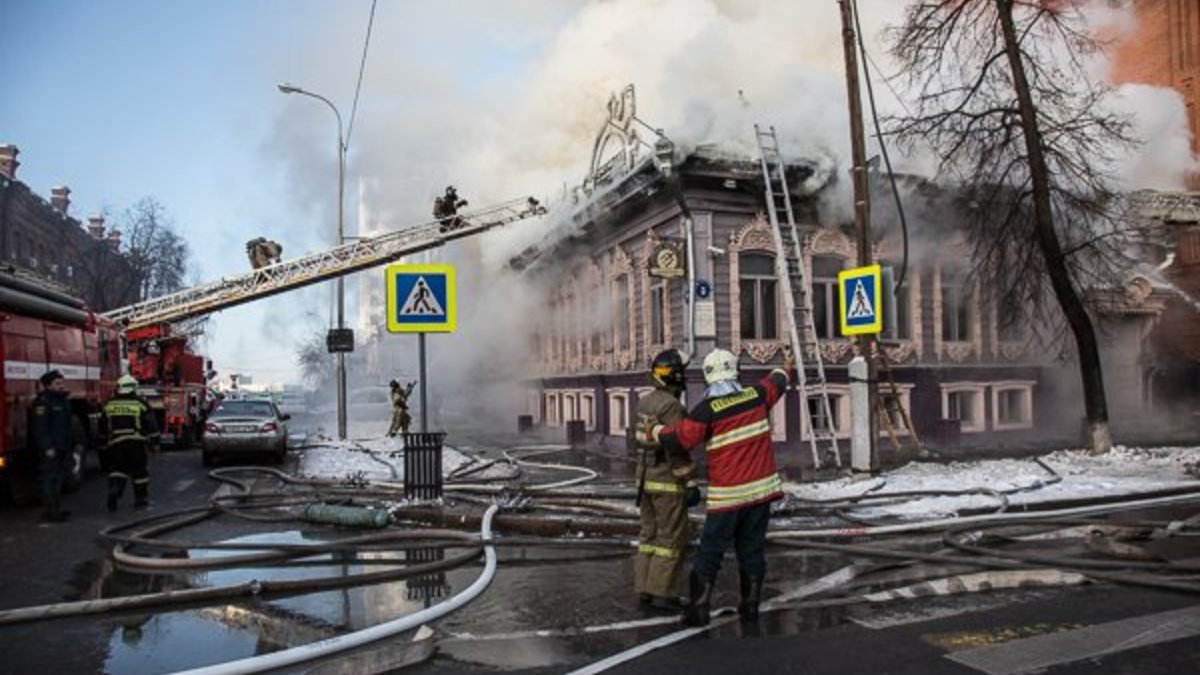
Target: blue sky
[177, 100]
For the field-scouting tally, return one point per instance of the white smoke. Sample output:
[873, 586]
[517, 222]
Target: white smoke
[433, 113]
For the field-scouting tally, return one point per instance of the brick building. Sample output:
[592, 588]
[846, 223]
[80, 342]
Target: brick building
[1165, 51]
[39, 236]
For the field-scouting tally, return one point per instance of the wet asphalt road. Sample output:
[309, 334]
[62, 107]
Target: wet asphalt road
[534, 589]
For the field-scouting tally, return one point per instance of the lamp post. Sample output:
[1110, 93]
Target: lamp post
[286, 88]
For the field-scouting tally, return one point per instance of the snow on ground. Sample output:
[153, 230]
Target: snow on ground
[1120, 472]
[369, 458]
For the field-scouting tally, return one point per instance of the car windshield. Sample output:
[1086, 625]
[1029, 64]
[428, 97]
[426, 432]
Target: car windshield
[244, 409]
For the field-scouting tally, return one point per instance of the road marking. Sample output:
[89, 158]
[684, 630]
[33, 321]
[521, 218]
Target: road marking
[183, 484]
[1043, 651]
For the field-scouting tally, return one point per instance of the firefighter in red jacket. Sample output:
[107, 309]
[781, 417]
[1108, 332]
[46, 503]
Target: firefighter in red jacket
[742, 479]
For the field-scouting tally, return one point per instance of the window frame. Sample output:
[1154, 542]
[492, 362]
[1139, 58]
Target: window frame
[618, 400]
[1023, 386]
[757, 310]
[978, 392]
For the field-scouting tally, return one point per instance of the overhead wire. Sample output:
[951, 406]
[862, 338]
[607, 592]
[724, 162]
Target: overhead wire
[883, 151]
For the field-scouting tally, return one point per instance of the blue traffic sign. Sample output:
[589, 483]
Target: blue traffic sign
[859, 299]
[703, 289]
[420, 298]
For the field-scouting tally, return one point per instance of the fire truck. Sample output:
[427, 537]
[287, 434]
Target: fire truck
[171, 379]
[42, 329]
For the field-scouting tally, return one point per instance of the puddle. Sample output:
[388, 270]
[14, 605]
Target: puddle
[155, 642]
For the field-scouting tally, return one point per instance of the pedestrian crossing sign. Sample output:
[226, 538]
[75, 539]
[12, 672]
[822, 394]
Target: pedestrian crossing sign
[420, 298]
[859, 297]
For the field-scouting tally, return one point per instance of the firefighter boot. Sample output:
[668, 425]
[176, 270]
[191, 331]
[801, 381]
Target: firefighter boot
[140, 499]
[701, 590]
[751, 588]
[116, 488]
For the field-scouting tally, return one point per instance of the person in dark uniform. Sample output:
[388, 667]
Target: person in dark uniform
[129, 427]
[445, 209]
[52, 435]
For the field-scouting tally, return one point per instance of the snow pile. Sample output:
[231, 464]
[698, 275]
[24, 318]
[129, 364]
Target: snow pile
[1123, 471]
[367, 458]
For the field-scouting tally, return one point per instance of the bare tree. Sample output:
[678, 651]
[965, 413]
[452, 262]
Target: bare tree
[155, 251]
[154, 259]
[316, 366]
[1004, 99]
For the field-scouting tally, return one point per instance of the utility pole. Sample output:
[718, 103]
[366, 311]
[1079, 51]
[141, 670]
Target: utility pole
[862, 211]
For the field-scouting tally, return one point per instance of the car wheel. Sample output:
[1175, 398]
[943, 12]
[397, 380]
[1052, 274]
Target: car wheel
[73, 477]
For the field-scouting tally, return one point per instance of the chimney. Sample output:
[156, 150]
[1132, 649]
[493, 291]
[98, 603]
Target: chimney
[114, 239]
[60, 198]
[8, 160]
[95, 226]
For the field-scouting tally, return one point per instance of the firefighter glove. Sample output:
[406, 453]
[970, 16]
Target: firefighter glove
[694, 495]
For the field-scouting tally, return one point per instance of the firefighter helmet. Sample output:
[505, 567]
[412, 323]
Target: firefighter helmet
[720, 365]
[126, 384]
[667, 369]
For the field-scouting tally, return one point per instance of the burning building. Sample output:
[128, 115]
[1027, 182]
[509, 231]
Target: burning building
[656, 250]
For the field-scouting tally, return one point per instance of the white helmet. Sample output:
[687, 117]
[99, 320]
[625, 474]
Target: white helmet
[126, 385]
[720, 365]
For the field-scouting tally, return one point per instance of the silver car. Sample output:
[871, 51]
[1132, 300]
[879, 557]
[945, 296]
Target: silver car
[244, 426]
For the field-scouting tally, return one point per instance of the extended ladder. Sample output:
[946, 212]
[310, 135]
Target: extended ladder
[353, 256]
[793, 282]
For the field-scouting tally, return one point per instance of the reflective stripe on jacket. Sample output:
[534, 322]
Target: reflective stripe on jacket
[736, 427]
[128, 418]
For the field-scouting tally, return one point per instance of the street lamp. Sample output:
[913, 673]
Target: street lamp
[285, 88]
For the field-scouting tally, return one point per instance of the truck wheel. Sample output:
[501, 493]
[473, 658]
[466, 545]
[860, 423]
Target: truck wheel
[73, 477]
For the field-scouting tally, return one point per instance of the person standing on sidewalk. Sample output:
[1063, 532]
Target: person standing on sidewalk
[51, 431]
[734, 422]
[130, 427]
[662, 491]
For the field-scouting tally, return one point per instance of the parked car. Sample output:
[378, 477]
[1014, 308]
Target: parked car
[245, 426]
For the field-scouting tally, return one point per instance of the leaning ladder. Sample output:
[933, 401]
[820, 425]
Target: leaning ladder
[792, 275]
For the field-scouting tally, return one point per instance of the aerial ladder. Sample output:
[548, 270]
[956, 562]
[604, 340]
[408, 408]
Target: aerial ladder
[288, 275]
[815, 409]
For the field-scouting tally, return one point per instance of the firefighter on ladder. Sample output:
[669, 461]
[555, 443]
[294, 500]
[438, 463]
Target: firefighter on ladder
[263, 252]
[664, 491]
[734, 423]
[130, 428]
[445, 209]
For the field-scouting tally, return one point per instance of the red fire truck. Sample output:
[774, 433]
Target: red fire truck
[173, 381]
[43, 329]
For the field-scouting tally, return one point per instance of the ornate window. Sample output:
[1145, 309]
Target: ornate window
[658, 312]
[753, 243]
[956, 306]
[758, 300]
[825, 269]
[899, 326]
[621, 279]
[570, 407]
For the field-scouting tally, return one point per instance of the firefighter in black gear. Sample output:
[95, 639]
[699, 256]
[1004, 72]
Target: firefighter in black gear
[663, 491]
[130, 427]
[51, 434]
[445, 209]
